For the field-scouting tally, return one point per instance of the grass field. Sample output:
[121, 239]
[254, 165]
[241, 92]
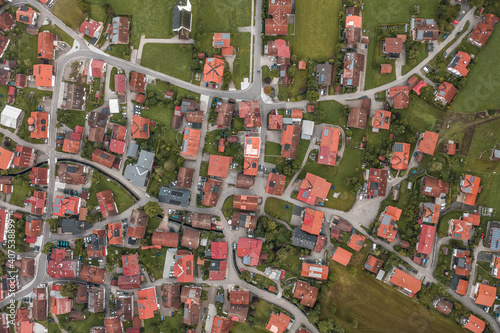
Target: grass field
[386, 12]
[27, 48]
[92, 319]
[241, 64]
[122, 198]
[261, 316]
[293, 90]
[484, 140]
[22, 189]
[421, 115]
[179, 59]
[489, 196]
[334, 113]
[316, 29]
[482, 86]
[71, 118]
[69, 12]
[276, 207]
[273, 150]
[377, 307]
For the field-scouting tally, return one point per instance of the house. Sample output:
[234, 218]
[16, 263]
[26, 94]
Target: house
[170, 295]
[353, 26]
[275, 122]
[495, 155]
[445, 93]
[392, 47]
[373, 264]
[190, 296]
[329, 145]
[96, 68]
[125, 308]
[39, 310]
[21, 79]
[313, 189]
[306, 293]
[246, 202]
[211, 192]
[278, 24]
[426, 240]
[353, 66]
[218, 250]
[419, 86]
[244, 181]
[424, 30]
[218, 166]
[139, 172]
[461, 262]
[182, 17]
[388, 228]
[429, 212]
[6, 22]
[60, 304]
[201, 221]
[470, 185]
[43, 75]
[278, 323]
[91, 28]
[185, 177]
[400, 156]
[307, 129]
[27, 15]
[356, 242]
[63, 206]
[385, 69]
[137, 82]
[217, 270]
[190, 143]
[103, 158]
[96, 244]
[140, 127]
[58, 267]
[129, 282]
[324, 75]
[119, 30]
[280, 49]
[39, 176]
[120, 84]
[312, 221]
[130, 264]
[174, 196]
[113, 325]
[341, 256]
[314, 271]
[164, 238]
[46, 47]
[224, 114]
[434, 187]
[428, 142]
[214, 70]
[381, 120]
[238, 308]
[303, 239]
[251, 153]
[461, 288]
[290, 137]
[137, 224]
[474, 324]
[11, 117]
[459, 63]
[250, 112]
[32, 228]
[376, 182]
[184, 266]
[249, 250]
[72, 140]
[483, 30]
[245, 219]
[451, 148]
[221, 325]
[71, 174]
[147, 303]
[190, 238]
[406, 283]
[398, 97]
[92, 274]
[275, 184]
[460, 229]
[358, 117]
[484, 295]
[221, 41]
[115, 233]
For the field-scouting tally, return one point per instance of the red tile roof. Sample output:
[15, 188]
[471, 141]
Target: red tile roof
[250, 112]
[483, 30]
[356, 242]
[401, 156]
[314, 271]
[393, 45]
[221, 40]
[89, 28]
[221, 325]
[377, 182]
[38, 125]
[184, 266]
[290, 138]
[164, 238]
[388, 228]
[373, 264]
[214, 70]
[279, 10]
[115, 233]
[330, 138]
[33, 227]
[306, 293]
[211, 192]
[21, 79]
[25, 15]
[427, 144]
[275, 184]
[381, 120]
[218, 250]
[63, 206]
[399, 97]
[406, 282]
[61, 305]
[120, 83]
[434, 187]
[129, 282]
[313, 188]
[470, 186]
[249, 249]
[190, 143]
[239, 297]
[46, 45]
[92, 274]
[218, 166]
[446, 92]
[418, 88]
[43, 75]
[6, 22]
[147, 303]
[97, 67]
[246, 202]
[278, 323]
[426, 240]
[38, 176]
[462, 287]
[280, 49]
[275, 122]
[474, 324]
[24, 157]
[71, 143]
[103, 158]
[385, 68]
[342, 256]
[130, 264]
[137, 82]
[485, 295]
[106, 202]
[140, 127]
[217, 271]
[312, 221]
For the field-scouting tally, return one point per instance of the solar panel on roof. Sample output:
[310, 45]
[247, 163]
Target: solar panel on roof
[225, 36]
[398, 147]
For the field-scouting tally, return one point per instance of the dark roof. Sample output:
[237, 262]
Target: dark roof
[303, 239]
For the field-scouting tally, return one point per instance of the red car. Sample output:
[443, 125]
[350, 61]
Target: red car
[456, 22]
[482, 235]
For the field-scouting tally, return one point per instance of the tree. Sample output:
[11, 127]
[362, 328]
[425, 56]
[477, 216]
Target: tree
[152, 208]
[291, 71]
[47, 247]
[268, 90]
[312, 96]
[68, 289]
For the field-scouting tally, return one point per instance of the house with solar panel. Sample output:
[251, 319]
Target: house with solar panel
[174, 197]
[424, 30]
[493, 239]
[353, 66]
[213, 71]
[324, 75]
[182, 19]
[119, 30]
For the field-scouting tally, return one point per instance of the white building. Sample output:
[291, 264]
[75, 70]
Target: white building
[11, 117]
[113, 106]
[307, 129]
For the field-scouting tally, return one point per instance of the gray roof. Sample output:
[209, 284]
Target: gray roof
[174, 196]
[146, 159]
[137, 175]
[133, 148]
[303, 239]
[73, 226]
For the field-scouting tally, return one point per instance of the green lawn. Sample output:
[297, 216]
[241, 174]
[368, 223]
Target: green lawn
[374, 305]
[276, 208]
[411, 63]
[273, 150]
[71, 118]
[169, 324]
[122, 198]
[153, 263]
[21, 190]
[241, 64]
[482, 86]
[261, 316]
[179, 59]
[98, 12]
[316, 29]
[377, 12]
[422, 116]
[27, 51]
[489, 195]
[292, 92]
[484, 140]
[246, 328]
[334, 113]
[443, 221]
[92, 319]
[69, 12]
